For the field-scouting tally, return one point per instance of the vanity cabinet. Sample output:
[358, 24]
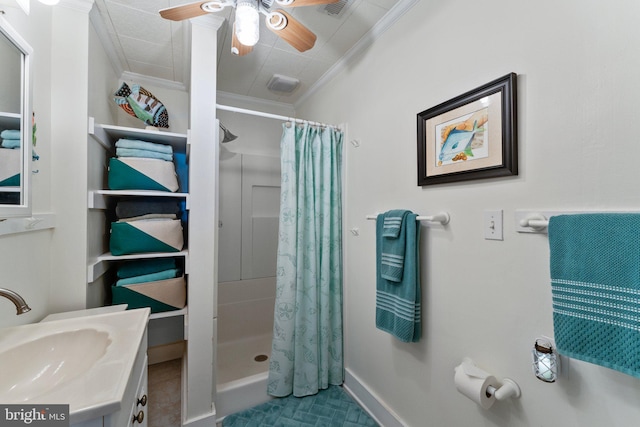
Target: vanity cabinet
[133, 407]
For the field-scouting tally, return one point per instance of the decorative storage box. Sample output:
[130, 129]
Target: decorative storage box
[137, 173]
[10, 166]
[149, 235]
[160, 296]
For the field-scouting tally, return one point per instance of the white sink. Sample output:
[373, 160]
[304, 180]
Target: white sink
[41, 365]
[83, 361]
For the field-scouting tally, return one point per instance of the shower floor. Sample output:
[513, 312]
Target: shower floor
[236, 359]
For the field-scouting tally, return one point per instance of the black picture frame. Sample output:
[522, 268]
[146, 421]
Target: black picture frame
[472, 136]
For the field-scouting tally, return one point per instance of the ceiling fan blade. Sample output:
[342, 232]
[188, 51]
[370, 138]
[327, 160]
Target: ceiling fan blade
[294, 33]
[185, 11]
[238, 48]
[295, 3]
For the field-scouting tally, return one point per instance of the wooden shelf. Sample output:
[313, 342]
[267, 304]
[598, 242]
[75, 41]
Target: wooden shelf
[107, 135]
[10, 189]
[98, 198]
[165, 314]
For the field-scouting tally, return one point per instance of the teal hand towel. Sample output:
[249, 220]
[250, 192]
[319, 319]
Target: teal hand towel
[144, 145]
[138, 152]
[141, 267]
[10, 143]
[398, 304]
[394, 225]
[151, 277]
[10, 134]
[393, 222]
[595, 284]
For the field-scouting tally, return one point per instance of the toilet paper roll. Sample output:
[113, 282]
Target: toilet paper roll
[473, 382]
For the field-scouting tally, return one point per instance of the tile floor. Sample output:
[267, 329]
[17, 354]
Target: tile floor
[164, 394]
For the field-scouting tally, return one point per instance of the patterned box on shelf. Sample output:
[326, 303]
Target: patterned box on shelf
[151, 235]
[139, 173]
[160, 296]
[10, 166]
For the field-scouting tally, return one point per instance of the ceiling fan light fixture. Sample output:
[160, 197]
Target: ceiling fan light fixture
[276, 20]
[247, 22]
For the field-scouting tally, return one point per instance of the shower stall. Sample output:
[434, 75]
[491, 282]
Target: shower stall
[249, 204]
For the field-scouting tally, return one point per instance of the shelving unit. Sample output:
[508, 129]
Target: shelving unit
[106, 136]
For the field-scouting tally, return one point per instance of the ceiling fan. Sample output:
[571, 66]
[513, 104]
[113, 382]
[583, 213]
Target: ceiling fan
[246, 28]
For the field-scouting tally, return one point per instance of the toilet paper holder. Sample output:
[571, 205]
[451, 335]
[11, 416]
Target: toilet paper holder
[508, 390]
[481, 387]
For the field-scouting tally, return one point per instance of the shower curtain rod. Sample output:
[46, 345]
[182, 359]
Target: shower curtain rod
[271, 116]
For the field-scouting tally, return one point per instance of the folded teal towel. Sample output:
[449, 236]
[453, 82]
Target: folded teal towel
[595, 284]
[10, 134]
[144, 145]
[145, 266]
[135, 152]
[10, 143]
[398, 304]
[393, 244]
[393, 222]
[152, 277]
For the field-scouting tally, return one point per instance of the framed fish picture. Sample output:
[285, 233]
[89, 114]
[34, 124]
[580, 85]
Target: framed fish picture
[471, 136]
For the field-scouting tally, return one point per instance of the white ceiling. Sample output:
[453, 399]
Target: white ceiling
[141, 43]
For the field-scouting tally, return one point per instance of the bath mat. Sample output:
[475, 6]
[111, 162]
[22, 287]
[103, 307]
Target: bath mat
[331, 407]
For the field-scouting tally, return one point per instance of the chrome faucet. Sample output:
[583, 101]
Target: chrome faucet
[17, 300]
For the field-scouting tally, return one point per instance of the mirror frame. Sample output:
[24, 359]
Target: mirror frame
[24, 208]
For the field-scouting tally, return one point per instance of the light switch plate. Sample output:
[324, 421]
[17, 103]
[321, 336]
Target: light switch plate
[493, 224]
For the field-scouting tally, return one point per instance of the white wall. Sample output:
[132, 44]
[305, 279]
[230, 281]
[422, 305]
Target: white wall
[578, 150]
[251, 160]
[25, 257]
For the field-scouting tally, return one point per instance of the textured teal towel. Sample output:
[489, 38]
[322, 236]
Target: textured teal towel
[398, 304]
[393, 222]
[595, 281]
[151, 277]
[141, 267]
[394, 227]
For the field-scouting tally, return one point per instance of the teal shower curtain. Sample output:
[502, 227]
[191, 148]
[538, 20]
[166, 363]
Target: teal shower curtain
[306, 353]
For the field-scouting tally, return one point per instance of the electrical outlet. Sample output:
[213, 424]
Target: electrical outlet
[493, 225]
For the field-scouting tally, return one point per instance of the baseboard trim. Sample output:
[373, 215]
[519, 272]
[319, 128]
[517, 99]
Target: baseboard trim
[206, 420]
[371, 403]
[166, 352]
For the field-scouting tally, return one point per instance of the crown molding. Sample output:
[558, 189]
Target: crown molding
[153, 81]
[80, 5]
[367, 40]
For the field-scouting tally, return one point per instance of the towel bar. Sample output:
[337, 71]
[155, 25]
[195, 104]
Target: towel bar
[537, 222]
[442, 217]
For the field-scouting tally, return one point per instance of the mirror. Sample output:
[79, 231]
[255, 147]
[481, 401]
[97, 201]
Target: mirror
[15, 123]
